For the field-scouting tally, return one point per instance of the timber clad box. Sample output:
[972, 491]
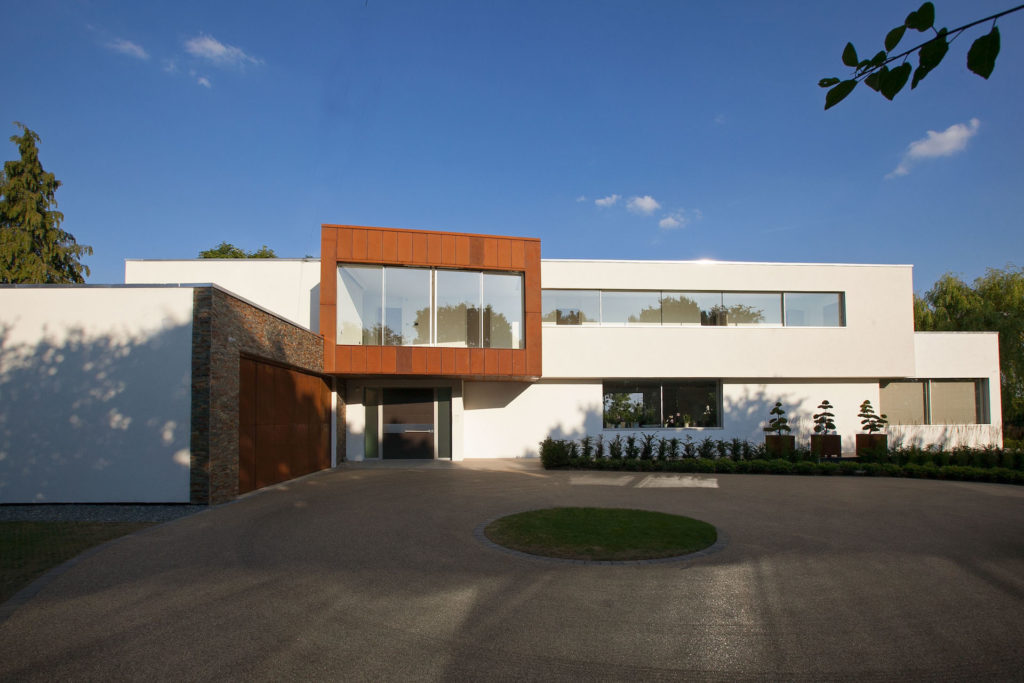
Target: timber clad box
[199, 380]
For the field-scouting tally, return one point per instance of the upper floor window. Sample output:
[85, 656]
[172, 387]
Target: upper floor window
[401, 306]
[671, 308]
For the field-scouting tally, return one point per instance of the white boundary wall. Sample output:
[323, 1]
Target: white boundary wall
[95, 394]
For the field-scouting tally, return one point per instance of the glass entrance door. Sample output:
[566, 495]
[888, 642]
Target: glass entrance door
[408, 423]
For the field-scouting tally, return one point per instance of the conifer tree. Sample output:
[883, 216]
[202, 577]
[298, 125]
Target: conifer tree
[33, 247]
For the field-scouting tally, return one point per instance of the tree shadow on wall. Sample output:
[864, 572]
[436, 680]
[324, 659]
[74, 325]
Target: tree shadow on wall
[86, 418]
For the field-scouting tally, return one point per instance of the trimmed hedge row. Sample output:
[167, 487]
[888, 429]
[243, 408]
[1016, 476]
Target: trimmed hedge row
[563, 453]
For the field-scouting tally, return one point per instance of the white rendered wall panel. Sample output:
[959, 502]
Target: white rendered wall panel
[95, 394]
[289, 288]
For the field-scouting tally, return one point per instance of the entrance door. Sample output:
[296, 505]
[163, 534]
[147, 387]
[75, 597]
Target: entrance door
[408, 429]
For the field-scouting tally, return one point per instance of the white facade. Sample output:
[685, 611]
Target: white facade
[754, 366]
[95, 394]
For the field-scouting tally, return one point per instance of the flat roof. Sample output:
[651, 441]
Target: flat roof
[567, 260]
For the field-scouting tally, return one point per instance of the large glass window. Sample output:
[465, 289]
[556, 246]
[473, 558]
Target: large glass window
[391, 306]
[631, 307]
[571, 306]
[903, 403]
[458, 308]
[503, 311]
[752, 308]
[672, 404]
[360, 289]
[690, 404]
[406, 306]
[691, 308]
[813, 309]
[935, 401]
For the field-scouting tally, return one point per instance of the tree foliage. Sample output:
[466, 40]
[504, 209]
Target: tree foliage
[33, 247]
[877, 74]
[995, 302]
[228, 250]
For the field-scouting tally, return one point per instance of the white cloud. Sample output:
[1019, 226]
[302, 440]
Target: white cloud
[169, 66]
[208, 47]
[581, 198]
[947, 143]
[645, 205]
[679, 219]
[127, 47]
[610, 200]
[204, 81]
[671, 222]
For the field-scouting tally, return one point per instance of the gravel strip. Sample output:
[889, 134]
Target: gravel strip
[96, 513]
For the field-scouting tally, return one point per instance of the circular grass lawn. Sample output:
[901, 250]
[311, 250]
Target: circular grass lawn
[601, 533]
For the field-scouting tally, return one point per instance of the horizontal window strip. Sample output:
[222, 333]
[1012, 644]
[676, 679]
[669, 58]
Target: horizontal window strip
[669, 308]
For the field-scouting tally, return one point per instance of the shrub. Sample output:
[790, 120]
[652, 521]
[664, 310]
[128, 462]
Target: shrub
[779, 467]
[553, 453]
[632, 449]
[663, 447]
[647, 446]
[705, 465]
[723, 449]
[725, 466]
[615, 448]
[689, 450]
[674, 447]
[599, 447]
[803, 467]
[586, 447]
[706, 449]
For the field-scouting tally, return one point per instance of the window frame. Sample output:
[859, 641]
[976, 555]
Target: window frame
[662, 383]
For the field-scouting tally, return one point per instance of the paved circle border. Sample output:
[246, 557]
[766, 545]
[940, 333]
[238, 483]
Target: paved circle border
[479, 535]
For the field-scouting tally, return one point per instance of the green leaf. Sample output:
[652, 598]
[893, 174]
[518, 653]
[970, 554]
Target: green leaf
[874, 79]
[838, 93]
[850, 55]
[981, 58]
[894, 80]
[893, 37]
[828, 82]
[879, 58]
[929, 57]
[923, 19]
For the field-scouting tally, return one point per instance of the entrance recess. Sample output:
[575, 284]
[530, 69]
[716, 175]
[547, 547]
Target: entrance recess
[408, 423]
[408, 417]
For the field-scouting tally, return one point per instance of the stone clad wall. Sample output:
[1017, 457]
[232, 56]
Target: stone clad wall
[223, 328]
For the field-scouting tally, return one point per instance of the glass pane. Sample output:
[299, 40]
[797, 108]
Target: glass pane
[631, 307]
[953, 403]
[571, 306]
[902, 402]
[503, 311]
[406, 306]
[359, 304]
[752, 308]
[682, 308]
[691, 404]
[813, 309]
[458, 308]
[632, 404]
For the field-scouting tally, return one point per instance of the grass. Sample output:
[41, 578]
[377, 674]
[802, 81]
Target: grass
[29, 549]
[601, 533]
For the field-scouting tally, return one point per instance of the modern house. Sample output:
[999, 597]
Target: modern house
[199, 380]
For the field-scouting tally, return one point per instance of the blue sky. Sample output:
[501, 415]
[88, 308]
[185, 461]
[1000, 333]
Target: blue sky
[669, 130]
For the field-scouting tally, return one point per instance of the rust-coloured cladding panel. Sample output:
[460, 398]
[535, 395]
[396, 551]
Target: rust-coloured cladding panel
[283, 418]
[394, 246]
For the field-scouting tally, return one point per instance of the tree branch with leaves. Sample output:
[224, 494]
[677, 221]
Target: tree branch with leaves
[877, 74]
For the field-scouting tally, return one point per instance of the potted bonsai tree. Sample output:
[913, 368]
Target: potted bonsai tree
[824, 443]
[872, 423]
[777, 441]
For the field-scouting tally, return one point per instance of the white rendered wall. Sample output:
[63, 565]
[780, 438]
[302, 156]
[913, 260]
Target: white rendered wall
[877, 341]
[288, 287]
[506, 420]
[95, 394]
[956, 355]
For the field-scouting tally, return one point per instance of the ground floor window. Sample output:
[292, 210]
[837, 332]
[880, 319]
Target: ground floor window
[635, 404]
[935, 401]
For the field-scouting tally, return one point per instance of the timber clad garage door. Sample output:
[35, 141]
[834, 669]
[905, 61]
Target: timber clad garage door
[284, 428]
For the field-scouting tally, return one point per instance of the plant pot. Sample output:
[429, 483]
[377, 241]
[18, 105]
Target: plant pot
[776, 446]
[826, 445]
[872, 444]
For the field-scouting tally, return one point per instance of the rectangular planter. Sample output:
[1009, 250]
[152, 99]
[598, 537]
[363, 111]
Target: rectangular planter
[871, 444]
[826, 445]
[776, 446]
